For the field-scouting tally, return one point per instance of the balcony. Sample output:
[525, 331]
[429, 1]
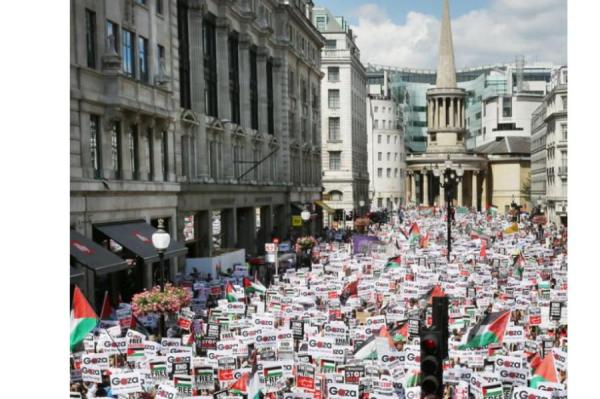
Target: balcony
[562, 171]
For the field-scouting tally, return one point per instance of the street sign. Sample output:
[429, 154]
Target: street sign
[270, 247]
[296, 221]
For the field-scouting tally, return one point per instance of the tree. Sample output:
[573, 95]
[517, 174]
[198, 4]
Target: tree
[526, 189]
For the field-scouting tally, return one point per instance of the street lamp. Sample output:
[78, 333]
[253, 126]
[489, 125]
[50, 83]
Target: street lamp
[449, 176]
[305, 215]
[161, 240]
[361, 203]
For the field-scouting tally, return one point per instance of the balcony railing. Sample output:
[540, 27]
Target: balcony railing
[562, 171]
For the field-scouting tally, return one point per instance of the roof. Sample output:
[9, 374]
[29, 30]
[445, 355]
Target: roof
[506, 145]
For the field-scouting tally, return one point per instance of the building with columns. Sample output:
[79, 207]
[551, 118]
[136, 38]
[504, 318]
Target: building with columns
[191, 111]
[343, 123]
[446, 138]
[387, 157]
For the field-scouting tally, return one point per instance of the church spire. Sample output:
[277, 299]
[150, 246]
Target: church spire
[446, 72]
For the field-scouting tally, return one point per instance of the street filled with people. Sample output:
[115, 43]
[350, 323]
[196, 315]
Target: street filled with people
[346, 321]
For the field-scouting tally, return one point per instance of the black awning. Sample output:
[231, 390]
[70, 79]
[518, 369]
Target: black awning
[137, 238]
[93, 256]
[77, 274]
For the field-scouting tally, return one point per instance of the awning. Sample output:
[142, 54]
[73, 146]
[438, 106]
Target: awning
[137, 238]
[93, 256]
[325, 206]
[77, 274]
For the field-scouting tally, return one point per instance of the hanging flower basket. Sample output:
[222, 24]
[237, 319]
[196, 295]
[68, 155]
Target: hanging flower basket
[154, 301]
[305, 243]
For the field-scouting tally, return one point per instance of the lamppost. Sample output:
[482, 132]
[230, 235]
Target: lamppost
[305, 215]
[361, 203]
[161, 240]
[449, 176]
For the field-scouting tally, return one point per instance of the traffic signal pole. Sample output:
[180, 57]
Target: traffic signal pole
[434, 350]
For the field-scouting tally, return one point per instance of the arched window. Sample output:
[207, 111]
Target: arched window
[336, 196]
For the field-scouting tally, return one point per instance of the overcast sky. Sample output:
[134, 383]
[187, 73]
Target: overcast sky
[405, 33]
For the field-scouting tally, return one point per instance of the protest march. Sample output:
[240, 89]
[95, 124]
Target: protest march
[349, 325]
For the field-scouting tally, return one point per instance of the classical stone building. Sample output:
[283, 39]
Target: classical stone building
[549, 152]
[191, 111]
[343, 123]
[446, 134]
[387, 157]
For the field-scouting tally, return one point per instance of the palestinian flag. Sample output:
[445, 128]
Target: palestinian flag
[492, 391]
[240, 387]
[482, 250]
[327, 366]
[489, 330]
[404, 233]
[414, 229]
[106, 312]
[545, 372]
[274, 372]
[401, 334]
[253, 387]
[412, 378]
[424, 241]
[351, 289]
[394, 262]
[83, 318]
[479, 235]
[256, 286]
[230, 293]
[534, 360]
[492, 210]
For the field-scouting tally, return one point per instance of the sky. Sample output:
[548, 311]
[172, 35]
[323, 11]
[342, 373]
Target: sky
[405, 33]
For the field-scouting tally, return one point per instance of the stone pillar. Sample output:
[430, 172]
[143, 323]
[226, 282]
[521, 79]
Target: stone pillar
[246, 227]
[205, 238]
[439, 108]
[228, 228]
[266, 225]
[474, 189]
[261, 74]
[222, 41]
[228, 167]
[459, 194]
[413, 188]
[425, 176]
[244, 70]
[484, 193]
[452, 108]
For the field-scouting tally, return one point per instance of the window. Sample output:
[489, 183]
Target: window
[379, 156]
[376, 109]
[159, 6]
[395, 156]
[563, 130]
[335, 160]
[143, 59]
[395, 139]
[291, 83]
[334, 129]
[322, 22]
[164, 155]
[270, 108]
[379, 139]
[161, 60]
[95, 146]
[128, 54]
[564, 102]
[133, 152]
[115, 148]
[388, 172]
[150, 152]
[334, 98]
[141, 2]
[90, 38]
[395, 172]
[388, 138]
[333, 74]
[379, 202]
[389, 154]
[185, 94]
[379, 172]
[234, 78]
[336, 195]
[478, 115]
[330, 44]
[210, 68]
[253, 89]
[506, 107]
[112, 36]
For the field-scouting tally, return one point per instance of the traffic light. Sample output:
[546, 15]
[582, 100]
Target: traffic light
[431, 362]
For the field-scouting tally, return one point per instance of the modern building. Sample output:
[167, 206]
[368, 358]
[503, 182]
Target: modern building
[549, 152]
[446, 138]
[524, 84]
[387, 157]
[343, 123]
[189, 111]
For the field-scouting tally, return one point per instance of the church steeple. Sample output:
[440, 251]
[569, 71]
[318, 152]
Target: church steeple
[446, 71]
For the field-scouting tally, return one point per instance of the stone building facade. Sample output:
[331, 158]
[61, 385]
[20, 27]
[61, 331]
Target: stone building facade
[191, 109]
[343, 123]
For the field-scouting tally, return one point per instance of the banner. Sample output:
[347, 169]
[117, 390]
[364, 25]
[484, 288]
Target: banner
[204, 378]
[125, 383]
[342, 391]
[530, 393]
